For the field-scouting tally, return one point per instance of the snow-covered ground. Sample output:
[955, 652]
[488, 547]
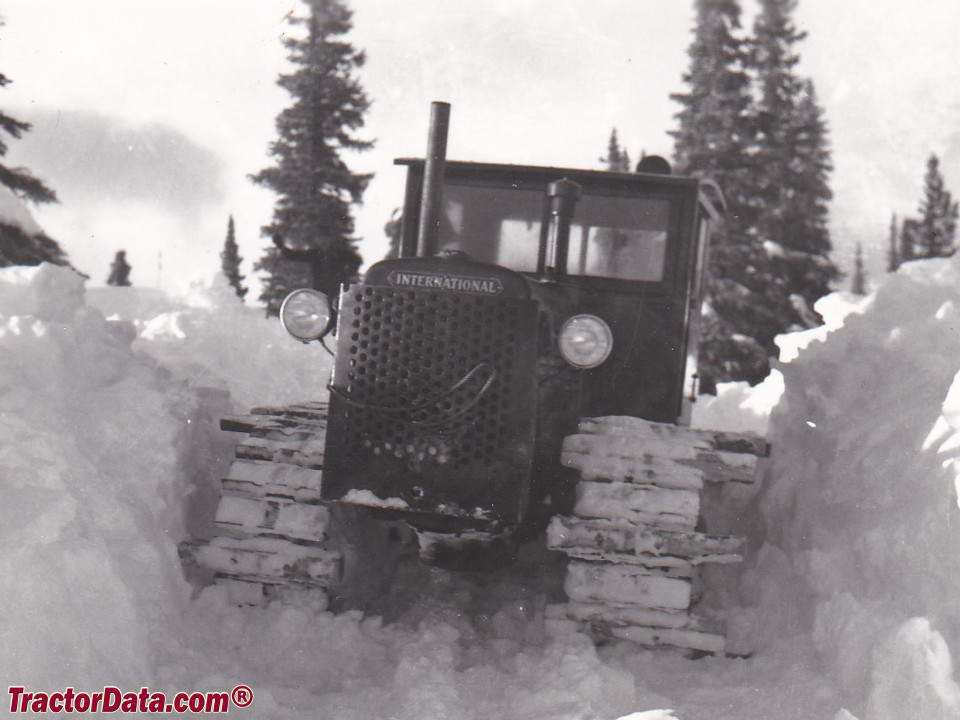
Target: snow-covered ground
[849, 599]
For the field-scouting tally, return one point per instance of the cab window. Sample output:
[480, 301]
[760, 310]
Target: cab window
[492, 225]
[619, 237]
[611, 236]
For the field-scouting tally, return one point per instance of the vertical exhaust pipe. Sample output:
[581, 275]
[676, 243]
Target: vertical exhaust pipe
[432, 199]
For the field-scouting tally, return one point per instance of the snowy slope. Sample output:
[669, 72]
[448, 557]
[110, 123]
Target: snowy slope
[109, 455]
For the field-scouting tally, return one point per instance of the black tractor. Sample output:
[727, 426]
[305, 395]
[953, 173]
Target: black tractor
[523, 370]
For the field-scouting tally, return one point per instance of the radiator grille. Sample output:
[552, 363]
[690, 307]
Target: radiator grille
[433, 400]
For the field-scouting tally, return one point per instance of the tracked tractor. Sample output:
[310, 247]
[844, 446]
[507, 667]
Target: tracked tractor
[524, 369]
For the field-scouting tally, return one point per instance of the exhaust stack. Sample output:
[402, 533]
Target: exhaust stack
[432, 198]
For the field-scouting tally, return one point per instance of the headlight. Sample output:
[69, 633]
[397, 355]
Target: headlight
[306, 314]
[585, 341]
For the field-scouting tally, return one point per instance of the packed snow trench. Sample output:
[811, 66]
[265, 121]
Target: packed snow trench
[849, 598]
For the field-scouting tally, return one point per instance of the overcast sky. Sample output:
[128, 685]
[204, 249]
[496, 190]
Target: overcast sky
[149, 115]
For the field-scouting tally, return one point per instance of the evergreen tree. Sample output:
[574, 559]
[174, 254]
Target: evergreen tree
[893, 251]
[617, 159]
[909, 237]
[17, 245]
[933, 235]
[858, 284]
[710, 139]
[753, 125]
[312, 220]
[119, 270]
[230, 261]
[714, 139]
[791, 166]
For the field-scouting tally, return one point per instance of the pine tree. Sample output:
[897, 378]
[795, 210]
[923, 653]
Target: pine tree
[119, 270]
[17, 245]
[765, 144]
[791, 166]
[714, 139]
[858, 284]
[617, 159]
[893, 251]
[909, 238]
[934, 234]
[312, 226]
[230, 261]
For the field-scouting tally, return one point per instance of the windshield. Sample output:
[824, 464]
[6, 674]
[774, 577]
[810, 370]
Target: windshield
[611, 236]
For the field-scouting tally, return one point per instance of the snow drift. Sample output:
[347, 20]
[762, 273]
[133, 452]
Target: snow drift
[109, 452]
[93, 482]
[859, 517]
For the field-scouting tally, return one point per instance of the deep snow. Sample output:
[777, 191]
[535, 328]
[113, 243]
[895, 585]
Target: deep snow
[109, 456]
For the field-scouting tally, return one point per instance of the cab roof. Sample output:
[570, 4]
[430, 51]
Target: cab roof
[549, 173]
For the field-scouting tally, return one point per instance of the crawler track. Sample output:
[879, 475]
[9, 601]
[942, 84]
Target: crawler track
[633, 540]
[274, 540]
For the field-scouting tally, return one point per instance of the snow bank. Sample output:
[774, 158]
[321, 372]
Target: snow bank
[211, 337]
[739, 407]
[109, 429]
[92, 487]
[858, 528]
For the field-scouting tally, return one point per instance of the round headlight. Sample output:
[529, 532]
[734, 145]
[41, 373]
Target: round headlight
[585, 341]
[306, 314]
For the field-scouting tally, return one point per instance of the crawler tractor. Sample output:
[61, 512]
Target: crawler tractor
[524, 369]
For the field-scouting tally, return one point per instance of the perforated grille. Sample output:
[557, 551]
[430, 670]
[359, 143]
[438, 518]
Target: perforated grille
[433, 399]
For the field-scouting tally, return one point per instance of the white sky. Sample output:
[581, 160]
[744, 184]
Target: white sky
[530, 81]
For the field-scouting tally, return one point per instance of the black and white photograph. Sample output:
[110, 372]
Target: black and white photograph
[480, 359]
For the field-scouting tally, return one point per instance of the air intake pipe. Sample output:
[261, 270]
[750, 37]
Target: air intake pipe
[564, 195]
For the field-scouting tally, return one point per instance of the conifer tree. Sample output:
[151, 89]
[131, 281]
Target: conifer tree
[753, 125]
[893, 250]
[909, 233]
[617, 159]
[119, 270]
[230, 261]
[19, 246]
[933, 235]
[791, 166]
[710, 138]
[858, 285]
[714, 139]
[312, 227]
